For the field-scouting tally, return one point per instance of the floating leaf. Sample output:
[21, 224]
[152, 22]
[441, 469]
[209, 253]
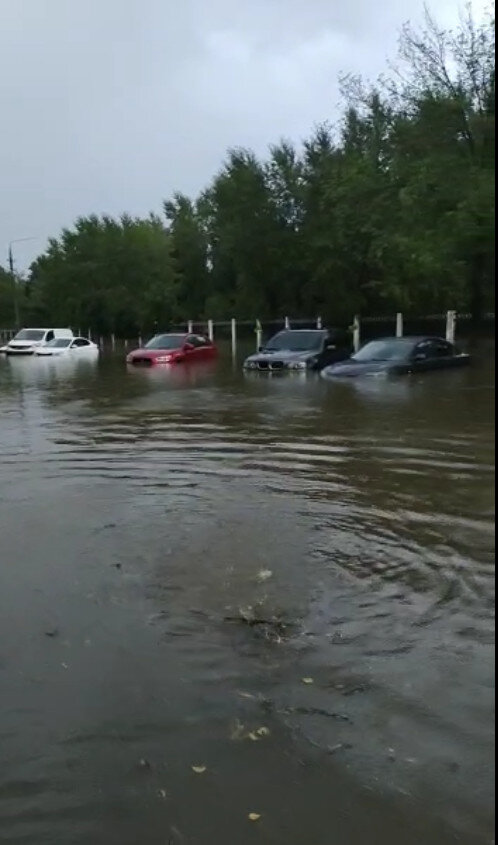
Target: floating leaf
[253, 736]
[264, 575]
[263, 731]
[199, 770]
[161, 793]
[308, 681]
[254, 817]
[246, 695]
[237, 730]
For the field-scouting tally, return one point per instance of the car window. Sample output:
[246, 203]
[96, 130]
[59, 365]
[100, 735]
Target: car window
[197, 341]
[49, 336]
[30, 334]
[166, 341]
[80, 341]
[434, 349]
[60, 342]
[295, 341]
[442, 349]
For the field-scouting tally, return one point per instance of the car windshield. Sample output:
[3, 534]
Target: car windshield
[300, 341]
[166, 341]
[59, 342]
[392, 349]
[30, 334]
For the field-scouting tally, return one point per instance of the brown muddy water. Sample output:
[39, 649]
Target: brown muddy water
[285, 582]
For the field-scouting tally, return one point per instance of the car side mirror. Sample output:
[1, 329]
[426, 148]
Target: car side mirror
[260, 348]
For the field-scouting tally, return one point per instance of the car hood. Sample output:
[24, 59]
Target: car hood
[285, 355]
[153, 353]
[351, 368]
[46, 350]
[23, 344]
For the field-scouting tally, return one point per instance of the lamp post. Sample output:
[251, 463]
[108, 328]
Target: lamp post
[13, 277]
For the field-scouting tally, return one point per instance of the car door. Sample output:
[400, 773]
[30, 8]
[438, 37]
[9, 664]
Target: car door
[335, 348]
[79, 344]
[192, 348]
[444, 354]
[427, 356]
[201, 349]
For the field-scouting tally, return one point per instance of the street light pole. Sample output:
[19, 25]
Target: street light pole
[17, 317]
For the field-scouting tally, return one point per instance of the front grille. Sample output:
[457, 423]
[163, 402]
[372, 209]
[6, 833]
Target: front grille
[142, 362]
[270, 365]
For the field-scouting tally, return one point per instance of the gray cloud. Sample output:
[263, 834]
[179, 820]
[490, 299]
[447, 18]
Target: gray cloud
[110, 105]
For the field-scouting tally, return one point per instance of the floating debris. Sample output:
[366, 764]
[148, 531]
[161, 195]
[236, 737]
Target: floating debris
[308, 681]
[264, 575]
[199, 770]
[254, 817]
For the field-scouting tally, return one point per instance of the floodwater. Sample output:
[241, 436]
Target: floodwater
[284, 583]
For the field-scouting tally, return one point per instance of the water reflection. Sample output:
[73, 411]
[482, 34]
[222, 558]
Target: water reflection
[43, 372]
[140, 515]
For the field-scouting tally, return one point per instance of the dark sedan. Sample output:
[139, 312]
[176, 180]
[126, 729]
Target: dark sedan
[301, 349]
[399, 356]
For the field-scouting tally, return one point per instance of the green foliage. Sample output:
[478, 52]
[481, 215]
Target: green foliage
[110, 275]
[392, 209]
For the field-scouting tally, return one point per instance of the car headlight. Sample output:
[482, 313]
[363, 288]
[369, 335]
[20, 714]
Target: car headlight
[250, 365]
[298, 365]
[164, 359]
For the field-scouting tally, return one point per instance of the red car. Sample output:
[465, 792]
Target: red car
[173, 349]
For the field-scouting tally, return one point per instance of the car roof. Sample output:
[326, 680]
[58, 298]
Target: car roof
[412, 338]
[297, 331]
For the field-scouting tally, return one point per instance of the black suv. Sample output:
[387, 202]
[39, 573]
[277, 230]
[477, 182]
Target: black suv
[301, 349]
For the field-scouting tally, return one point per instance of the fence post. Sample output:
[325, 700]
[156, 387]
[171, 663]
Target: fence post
[234, 338]
[399, 324]
[259, 335]
[113, 342]
[89, 334]
[190, 327]
[287, 323]
[140, 340]
[356, 333]
[210, 330]
[319, 322]
[451, 326]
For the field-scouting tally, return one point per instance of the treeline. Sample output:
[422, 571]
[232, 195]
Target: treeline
[392, 209]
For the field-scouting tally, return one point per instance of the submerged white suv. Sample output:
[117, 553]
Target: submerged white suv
[27, 340]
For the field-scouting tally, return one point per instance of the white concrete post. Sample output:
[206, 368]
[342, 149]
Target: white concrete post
[259, 335]
[399, 324]
[126, 344]
[190, 327]
[234, 338]
[319, 322]
[451, 326]
[89, 334]
[356, 333]
[210, 330]
[287, 323]
[113, 342]
[140, 340]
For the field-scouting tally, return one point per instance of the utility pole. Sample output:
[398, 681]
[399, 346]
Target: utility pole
[17, 316]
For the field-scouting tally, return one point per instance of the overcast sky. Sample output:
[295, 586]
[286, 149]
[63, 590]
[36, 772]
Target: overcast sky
[111, 105]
